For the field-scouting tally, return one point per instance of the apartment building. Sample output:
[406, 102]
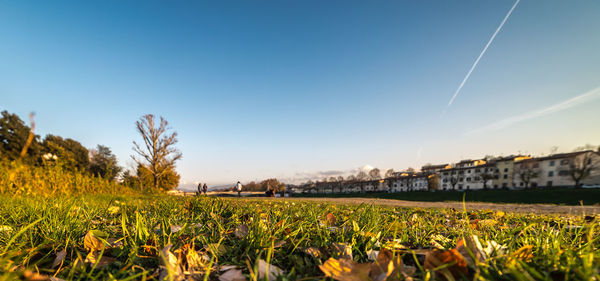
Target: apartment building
[505, 166]
[557, 170]
[515, 171]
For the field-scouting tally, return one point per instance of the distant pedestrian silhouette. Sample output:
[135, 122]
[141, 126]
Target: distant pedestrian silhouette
[204, 189]
[238, 188]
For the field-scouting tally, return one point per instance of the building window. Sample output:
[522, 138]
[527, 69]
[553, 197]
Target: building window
[476, 170]
[549, 184]
[505, 169]
[445, 173]
[552, 163]
[469, 171]
[468, 179]
[563, 173]
[536, 165]
[505, 176]
[504, 185]
[551, 173]
[564, 162]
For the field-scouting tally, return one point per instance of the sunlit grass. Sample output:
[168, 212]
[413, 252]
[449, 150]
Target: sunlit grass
[34, 230]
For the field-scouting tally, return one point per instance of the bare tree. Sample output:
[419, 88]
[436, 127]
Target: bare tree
[375, 174]
[340, 178]
[158, 153]
[389, 173]
[361, 176]
[526, 172]
[583, 165]
[487, 174]
[453, 181]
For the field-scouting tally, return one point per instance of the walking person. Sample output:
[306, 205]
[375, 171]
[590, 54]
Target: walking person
[204, 188]
[238, 187]
[199, 189]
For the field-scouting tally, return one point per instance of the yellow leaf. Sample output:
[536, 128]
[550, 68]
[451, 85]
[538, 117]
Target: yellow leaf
[524, 253]
[113, 210]
[314, 252]
[92, 240]
[346, 270]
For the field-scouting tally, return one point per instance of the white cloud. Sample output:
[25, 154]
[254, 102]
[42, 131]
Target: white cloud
[572, 102]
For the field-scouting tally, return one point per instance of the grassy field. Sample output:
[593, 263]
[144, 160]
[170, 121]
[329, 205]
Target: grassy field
[530, 196]
[105, 237]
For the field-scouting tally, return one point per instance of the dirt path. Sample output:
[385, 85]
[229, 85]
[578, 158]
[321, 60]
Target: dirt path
[514, 208]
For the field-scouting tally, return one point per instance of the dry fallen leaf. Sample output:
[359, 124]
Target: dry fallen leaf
[389, 267]
[29, 275]
[216, 249]
[176, 228]
[524, 253]
[470, 247]
[279, 244]
[314, 252]
[92, 240]
[342, 250]
[241, 231]
[94, 258]
[60, 257]
[330, 219]
[265, 269]
[233, 274]
[372, 255]
[346, 270]
[437, 258]
[170, 260]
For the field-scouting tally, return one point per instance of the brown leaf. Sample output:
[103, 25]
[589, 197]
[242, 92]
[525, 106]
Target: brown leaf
[330, 219]
[265, 269]
[342, 250]
[60, 257]
[346, 270]
[437, 258]
[389, 267]
[99, 261]
[233, 275]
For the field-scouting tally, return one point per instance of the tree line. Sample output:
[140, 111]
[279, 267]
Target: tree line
[154, 157]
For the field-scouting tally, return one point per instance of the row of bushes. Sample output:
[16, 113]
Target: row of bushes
[19, 179]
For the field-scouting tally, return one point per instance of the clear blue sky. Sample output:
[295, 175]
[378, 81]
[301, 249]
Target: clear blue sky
[290, 89]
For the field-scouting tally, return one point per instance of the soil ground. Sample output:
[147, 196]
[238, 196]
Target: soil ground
[513, 208]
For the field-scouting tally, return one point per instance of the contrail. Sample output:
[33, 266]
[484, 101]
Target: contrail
[483, 52]
[564, 105]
